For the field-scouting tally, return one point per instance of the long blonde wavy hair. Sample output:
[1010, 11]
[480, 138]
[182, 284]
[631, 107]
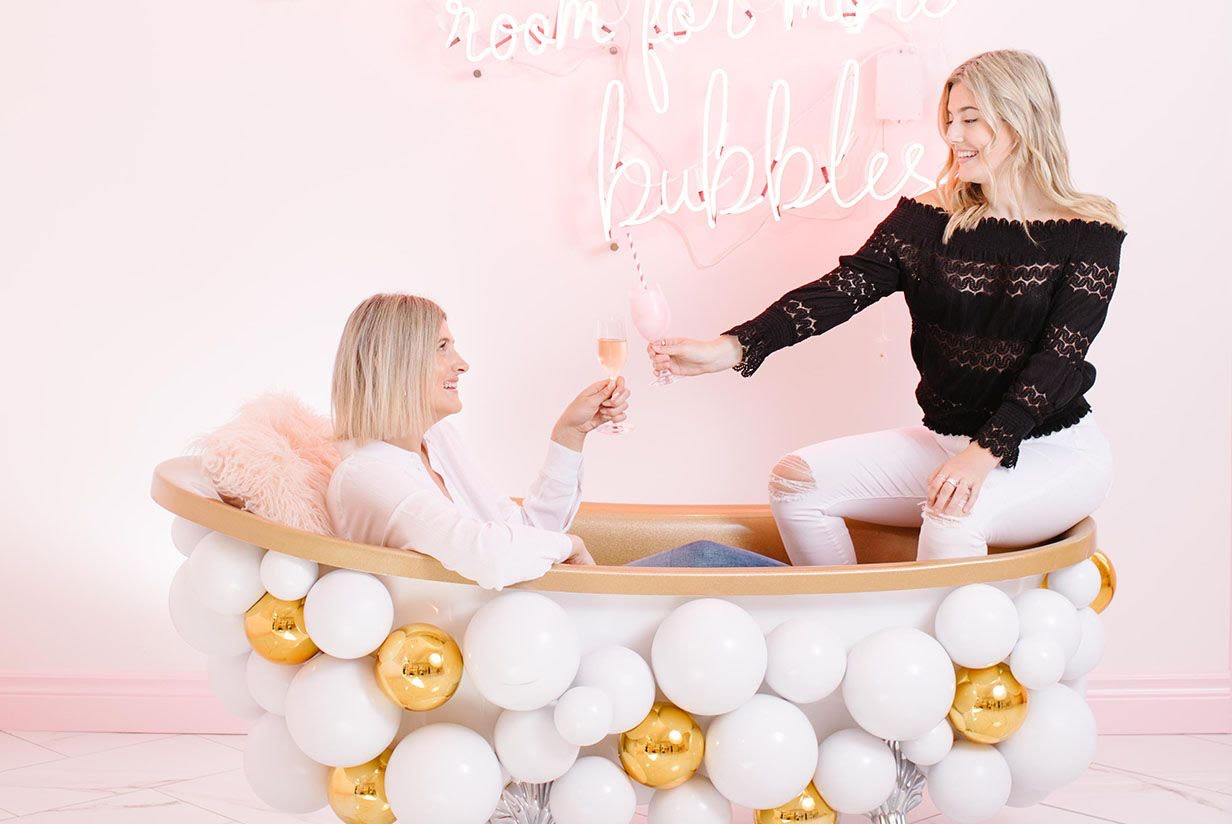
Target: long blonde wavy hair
[1017, 101]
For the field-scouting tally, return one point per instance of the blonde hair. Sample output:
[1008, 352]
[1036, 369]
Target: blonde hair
[383, 371]
[1012, 88]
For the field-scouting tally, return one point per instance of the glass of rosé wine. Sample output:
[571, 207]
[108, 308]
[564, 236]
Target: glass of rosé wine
[613, 350]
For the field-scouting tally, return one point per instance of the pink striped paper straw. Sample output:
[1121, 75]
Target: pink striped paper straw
[637, 262]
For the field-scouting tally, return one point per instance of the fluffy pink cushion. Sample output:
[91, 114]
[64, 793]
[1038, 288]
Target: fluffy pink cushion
[274, 459]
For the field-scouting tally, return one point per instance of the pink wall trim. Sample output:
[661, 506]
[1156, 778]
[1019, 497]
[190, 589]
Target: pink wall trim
[183, 703]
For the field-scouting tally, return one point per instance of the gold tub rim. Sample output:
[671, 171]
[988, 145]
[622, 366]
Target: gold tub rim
[173, 489]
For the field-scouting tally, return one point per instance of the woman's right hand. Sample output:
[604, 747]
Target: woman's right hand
[580, 554]
[686, 356]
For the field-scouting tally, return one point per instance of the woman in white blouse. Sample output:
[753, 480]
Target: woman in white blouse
[407, 480]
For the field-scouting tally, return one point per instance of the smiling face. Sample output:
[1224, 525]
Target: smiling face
[969, 135]
[448, 366]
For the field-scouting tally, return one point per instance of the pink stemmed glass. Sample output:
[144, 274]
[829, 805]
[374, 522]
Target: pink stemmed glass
[652, 316]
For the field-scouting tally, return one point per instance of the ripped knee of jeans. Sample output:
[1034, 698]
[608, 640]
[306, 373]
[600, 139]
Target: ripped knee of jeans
[791, 479]
[941, 518]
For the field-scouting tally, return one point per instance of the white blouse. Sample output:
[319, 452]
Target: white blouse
[382, 494]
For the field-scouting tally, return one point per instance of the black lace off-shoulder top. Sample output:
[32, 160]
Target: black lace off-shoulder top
[1000, 325]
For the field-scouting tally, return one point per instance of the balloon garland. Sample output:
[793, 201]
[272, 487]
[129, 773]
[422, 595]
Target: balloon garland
[340, 697]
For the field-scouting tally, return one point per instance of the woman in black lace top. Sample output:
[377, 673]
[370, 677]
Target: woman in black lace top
[1007, 271]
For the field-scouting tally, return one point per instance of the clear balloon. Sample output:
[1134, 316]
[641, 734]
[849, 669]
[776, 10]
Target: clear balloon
[899, 684]
[594, 791]
[348, 614]
[226, 573]
[521, 650]
[206, 631]
[443, 772]
[709, 656]
[625, 677]
[529, 746]
[337, 713]
[978, 625]
[855, 771]
[279, 773]
[805, 660]
[286, 577]
[583, 715]
[761, 754]
[971, 784]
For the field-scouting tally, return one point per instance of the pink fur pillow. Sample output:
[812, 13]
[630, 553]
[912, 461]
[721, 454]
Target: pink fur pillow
[274, 459]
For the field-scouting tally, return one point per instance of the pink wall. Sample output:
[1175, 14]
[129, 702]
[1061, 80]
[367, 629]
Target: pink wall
[195, 195]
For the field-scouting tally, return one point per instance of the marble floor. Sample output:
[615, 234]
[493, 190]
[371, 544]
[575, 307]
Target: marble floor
[120, 778]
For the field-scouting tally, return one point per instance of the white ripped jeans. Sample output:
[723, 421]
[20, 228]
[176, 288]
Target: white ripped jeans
[882, 477]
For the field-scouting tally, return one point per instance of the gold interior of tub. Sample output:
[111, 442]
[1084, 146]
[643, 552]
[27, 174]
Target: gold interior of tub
[618, 533]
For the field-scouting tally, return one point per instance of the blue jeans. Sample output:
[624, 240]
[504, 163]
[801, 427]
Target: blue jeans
[706, 554]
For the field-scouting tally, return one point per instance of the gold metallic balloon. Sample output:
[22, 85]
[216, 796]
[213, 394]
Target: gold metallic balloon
[807, 806]
[665, 749]
[1107, 581]
[419, 666]
[989, 703]
[357, 794]
[275, 628]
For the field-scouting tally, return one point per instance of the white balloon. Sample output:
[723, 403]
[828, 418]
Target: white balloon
[626, 678]
[268, 683]
[1090, 645]
[521, 650]
[348, 614]
[709, 656]
[337, 713]
[229, 680]
[226, 573]
[899, 683]
[1055, 744]
[583, 715]
[1042, 610]
[971, 784]
[1079, 583]
[1037, 660]
[696, 801]
[287, 577]
[443, 772]
[186, 535]
[279, 773]
[761, 754]
[978, 625]
[855, 771]
[1078, 685]
[805, 660]
[594, 791]
[201, 628]
[529, 746]
[1024, 796]
[930, 747]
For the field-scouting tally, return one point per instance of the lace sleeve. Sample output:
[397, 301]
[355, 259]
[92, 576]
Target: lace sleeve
[859, 281]
[1057, 370]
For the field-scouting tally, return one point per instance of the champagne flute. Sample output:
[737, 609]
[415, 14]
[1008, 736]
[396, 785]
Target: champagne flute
[613, 350]
[652, 316]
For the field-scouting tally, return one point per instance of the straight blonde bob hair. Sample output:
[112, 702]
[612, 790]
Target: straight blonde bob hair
[384, 368]
[1012, 88]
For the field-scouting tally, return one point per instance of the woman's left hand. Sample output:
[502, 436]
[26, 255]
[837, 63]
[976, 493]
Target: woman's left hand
[965, 472]
[597, 404]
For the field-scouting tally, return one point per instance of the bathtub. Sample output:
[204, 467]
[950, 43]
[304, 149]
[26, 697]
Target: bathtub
[882, 613]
